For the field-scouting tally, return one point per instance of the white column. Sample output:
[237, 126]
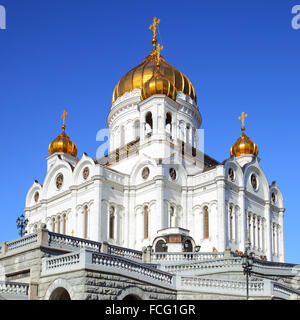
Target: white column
[131, 220]
[234, 223]
[268, 232]
[281, 244]
[96, 217]
[222, 225]
[254, 231]
[243, 220]
[126, 217]
[159, 180]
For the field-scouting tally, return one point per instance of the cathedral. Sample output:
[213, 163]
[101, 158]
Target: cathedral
[154, 187]
[155, 197]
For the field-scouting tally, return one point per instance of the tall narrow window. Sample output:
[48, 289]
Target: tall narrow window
[205, 223]
[169, 123]
[58, 224]
[64, 223]
[137, 129]
[149, 123]
[230, 222]
[146, 222]
[258, 233]
[85, 232]
[111, 222]
[53, 225]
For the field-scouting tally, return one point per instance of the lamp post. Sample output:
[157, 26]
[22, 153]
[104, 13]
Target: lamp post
[21, 224]
[247, 262]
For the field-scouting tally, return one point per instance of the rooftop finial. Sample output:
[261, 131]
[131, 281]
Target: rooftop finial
[153, 27]
[64, 120]
[158, 50]
[242, 118]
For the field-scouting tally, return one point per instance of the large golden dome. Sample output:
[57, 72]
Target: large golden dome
[138, 76]
[63, 143]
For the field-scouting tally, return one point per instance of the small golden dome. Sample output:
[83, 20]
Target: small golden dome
[63, 143]
[158, 84]
[244, 145]
[138, 76]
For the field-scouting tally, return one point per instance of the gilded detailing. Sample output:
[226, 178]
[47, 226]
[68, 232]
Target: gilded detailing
[63, 143]
[138, 76]
[244, 145]
[158, 84]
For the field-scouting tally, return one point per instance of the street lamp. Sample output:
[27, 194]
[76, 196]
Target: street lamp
[247, 262]
[21, 224]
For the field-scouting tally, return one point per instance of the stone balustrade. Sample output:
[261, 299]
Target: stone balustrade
[171, 257]
[13, 289]
[280, 290]
[143, 272]
[62, 261]
[62, 241]
[126, 253]
[91, 260]
[205, 266]
[231, 287]
[21, 242]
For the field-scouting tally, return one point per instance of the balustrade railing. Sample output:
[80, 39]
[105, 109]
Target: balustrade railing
[63, 241]
[235, 286]
[126, 253]
[66, 260]
[14, 288]
[127, 266]
[204, 265]
[286, 291]
[21, 242]
[161, 257]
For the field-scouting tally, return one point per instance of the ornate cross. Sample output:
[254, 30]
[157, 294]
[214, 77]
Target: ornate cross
[154, 26]
[158, 50]
[64, 118]
[242, 117]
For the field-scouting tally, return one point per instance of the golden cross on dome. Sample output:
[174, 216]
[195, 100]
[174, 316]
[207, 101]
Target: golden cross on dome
[242, 118]
[154, 26]
[158, 50]
[64, 119]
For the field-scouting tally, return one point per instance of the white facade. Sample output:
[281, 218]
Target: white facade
[119, 201]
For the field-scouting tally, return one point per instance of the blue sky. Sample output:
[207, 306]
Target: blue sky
[69, 54]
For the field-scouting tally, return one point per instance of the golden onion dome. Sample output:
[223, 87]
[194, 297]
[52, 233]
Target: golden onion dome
[158, 84]
[63, 143]
[138, 76]
[244, 145]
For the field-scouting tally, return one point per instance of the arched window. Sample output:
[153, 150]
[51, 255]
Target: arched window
[205, 223]
[161, 246]
[64, 223]
[230, 216]
[149, 123]
[169, 123]
[53, 224]
[112, 222]
[58, 224]
[85, 230]
[146, 222]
